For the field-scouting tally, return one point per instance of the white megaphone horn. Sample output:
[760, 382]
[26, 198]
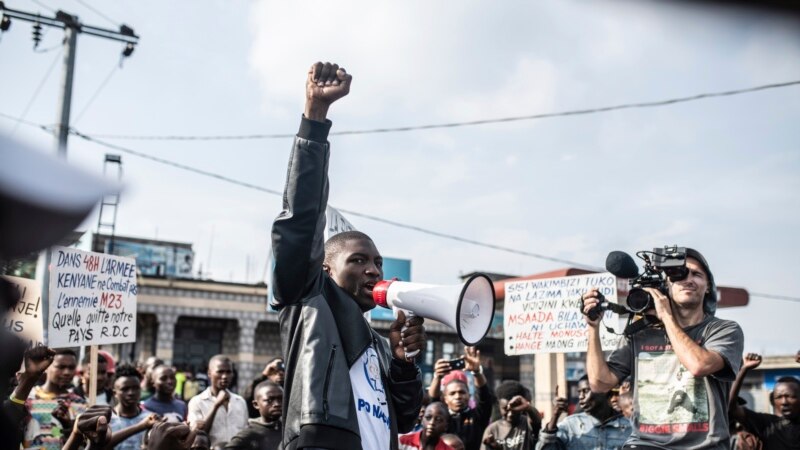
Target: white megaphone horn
[467, 308]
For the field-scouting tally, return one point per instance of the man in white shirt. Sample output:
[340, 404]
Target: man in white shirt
[217, 411]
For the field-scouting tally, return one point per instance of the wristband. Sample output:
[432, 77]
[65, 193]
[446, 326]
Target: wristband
[16, 400]
[477, 372]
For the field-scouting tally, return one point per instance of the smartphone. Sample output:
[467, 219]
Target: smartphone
[456, 364]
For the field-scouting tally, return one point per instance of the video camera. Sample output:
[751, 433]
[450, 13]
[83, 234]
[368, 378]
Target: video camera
[661, 264]
[667, 263]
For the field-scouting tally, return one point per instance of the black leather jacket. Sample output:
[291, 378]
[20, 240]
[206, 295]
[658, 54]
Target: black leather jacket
[323, 330]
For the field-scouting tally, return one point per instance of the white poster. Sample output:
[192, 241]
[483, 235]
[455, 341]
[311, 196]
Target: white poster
[92, 298]
[544, 316]
[25, 319]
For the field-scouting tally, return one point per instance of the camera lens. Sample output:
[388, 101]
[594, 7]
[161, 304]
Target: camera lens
[639, 300]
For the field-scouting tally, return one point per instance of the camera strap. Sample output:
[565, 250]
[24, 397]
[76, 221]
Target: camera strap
[634, 327]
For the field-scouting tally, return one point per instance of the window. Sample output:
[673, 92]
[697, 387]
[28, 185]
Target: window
[447, 350]
[429, 352]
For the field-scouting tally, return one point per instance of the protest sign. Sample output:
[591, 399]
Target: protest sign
[543, 316]
[25, 319]
[92, 299]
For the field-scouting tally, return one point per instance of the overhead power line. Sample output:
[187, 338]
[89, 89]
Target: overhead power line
[354, 213]
[44, 6]
[774, 297]
[175, 164]
[368, 216]
[96, 11]
[96, 93]
[26, 122]
[577, 112]
[36, 93]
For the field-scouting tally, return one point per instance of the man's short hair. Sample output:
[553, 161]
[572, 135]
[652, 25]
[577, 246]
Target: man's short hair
[219, 358]
[160, 367]
[789, 379]
[334, 245]
[441, 406]
[66, 351]
[511, 388]
[127, 370]
[266, 384]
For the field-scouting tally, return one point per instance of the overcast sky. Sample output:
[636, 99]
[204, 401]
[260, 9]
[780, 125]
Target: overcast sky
[721, 175]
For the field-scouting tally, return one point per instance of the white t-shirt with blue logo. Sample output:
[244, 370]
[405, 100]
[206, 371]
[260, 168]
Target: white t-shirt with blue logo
[372, 408]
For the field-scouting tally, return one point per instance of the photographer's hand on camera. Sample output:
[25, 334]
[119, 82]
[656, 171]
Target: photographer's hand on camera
[661, 302]
[591, 299]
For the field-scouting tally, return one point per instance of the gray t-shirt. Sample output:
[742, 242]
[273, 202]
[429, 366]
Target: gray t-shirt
[673, 409]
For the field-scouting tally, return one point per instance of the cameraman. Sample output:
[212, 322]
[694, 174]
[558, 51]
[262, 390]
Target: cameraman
[681, 368]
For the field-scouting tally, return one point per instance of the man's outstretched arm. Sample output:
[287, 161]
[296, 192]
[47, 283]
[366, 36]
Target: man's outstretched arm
[297, 233]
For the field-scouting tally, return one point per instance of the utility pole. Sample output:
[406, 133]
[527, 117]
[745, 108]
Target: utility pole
[71, 26]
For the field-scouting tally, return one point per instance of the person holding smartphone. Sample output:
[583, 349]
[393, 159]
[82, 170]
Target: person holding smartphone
[451, 385]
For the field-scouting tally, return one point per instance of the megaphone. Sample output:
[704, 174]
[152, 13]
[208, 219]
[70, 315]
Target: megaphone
[467, 308]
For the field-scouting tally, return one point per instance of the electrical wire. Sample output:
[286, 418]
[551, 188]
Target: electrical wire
[19, 120]
[44, 6]
[35, 94]
[93, 138]
[174, 164]
[354, 213]
[368, 216]
[96, 93]
[94, 10]
[577, 112]
[774, 297]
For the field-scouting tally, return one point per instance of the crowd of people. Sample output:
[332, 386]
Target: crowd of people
[671, 384]
[139, 407]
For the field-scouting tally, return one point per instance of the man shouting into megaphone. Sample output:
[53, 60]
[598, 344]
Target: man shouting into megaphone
[345, 388]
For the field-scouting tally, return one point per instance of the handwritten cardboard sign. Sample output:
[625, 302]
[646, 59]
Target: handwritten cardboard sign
[25, 319]
[543, 316]
[92, 298]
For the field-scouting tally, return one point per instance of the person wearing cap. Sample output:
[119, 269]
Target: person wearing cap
[681, 369]
[105, 396]
[346, 387]
[111, 368]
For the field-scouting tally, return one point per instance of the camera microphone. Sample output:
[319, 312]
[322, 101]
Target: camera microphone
[621, 265]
